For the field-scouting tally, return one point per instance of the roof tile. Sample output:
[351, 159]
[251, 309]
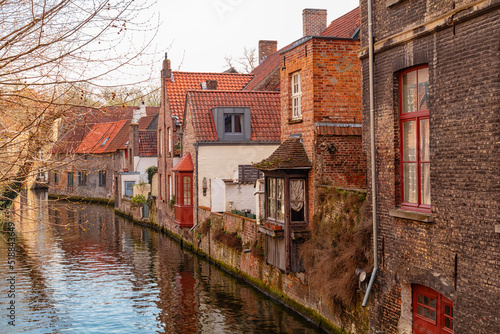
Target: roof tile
[344, 26]
[290, 155]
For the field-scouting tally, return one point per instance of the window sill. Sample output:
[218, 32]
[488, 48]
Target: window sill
[294, 120]
[412, 215]
[275, 233]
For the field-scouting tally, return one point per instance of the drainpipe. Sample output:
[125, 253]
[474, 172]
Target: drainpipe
[372, 152]
[196, 185]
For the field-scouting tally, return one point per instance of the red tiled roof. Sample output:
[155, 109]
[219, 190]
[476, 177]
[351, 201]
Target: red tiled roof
[145, 121]
[331, 129]
[181, 82]
[148, 143]
[290, 155]
[264, 112]
[264, 72]
[344, 26]
[185, 164]
[105, 137]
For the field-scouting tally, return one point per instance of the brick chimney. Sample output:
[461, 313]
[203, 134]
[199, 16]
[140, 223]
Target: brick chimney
[267, 48]
[166, 71]
[313, 21]
[211, 84]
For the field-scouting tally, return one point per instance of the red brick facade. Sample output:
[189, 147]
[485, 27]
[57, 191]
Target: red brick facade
[331, 96]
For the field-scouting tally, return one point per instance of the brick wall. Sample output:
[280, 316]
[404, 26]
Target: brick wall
[331, 93]
[463, 60]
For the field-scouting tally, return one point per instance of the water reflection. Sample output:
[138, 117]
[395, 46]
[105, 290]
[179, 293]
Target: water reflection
[80, 269]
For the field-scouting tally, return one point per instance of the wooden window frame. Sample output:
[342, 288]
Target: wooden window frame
[102, 178]
[56, 177]
[296, 96]
[70, 176]
[426, 324]
[82, 178]
[273, 196]
[413, 116]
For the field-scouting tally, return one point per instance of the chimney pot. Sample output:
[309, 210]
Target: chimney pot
[313, 21]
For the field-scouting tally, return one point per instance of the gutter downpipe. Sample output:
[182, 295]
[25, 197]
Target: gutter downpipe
[196, 185]
[373, 157]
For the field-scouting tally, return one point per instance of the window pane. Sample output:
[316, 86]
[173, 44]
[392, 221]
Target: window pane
[410, 182]
[280, 184]
[424, 140]
[425, 183]
[433, 303]
[237, 123]
[426, 301]
[272, 200]
[187, 190]
[447, 322]
[423, 89]
[228, 123]
[433, 315]
[409, 141]
[409, 92]
[420, 310]
[420, 299]
[447, 310]
[426, 312]
[297, 200]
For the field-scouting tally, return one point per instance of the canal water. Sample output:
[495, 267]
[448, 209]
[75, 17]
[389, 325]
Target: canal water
[80, 269]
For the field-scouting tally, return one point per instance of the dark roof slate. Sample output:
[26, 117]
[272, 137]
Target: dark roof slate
[290, 155]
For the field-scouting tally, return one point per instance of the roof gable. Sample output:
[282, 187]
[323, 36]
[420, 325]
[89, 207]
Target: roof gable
[181, 82]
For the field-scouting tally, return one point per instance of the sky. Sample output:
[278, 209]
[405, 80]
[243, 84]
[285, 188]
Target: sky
[198, 34]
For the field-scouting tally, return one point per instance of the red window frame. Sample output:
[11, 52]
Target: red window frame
[422, 308]
[413, 116]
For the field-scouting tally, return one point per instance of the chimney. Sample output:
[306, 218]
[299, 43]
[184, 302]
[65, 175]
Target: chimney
[211, 84]
[139, 113]
[313, 21]
[267, 48]
[166, 71]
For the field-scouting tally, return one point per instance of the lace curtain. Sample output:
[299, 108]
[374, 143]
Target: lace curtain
[297, 194]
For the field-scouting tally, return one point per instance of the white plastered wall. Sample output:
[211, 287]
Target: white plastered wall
[221, 162]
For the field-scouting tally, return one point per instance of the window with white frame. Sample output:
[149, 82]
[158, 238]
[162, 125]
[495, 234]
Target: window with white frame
[297, 95]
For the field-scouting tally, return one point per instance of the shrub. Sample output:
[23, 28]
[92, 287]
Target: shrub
[340, 242]
[232, 240]
[139, 199]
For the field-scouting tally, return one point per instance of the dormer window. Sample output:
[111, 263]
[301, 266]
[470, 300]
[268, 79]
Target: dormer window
[232, 123]
[296, 95]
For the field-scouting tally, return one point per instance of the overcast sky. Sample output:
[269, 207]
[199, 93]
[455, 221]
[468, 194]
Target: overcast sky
[198, 34]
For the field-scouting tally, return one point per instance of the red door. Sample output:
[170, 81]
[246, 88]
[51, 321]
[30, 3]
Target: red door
[432, 312]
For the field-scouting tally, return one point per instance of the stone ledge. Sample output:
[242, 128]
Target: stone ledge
[412, 215]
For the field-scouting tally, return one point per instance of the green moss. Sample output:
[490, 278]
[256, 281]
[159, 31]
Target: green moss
[88, 200]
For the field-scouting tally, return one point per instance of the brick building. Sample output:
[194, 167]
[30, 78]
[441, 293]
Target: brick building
[436, 128]
[171, 116]
[320, 130]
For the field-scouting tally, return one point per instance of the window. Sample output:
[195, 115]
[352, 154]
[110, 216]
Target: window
[160, 138]
[297, 95]
[415, 155]
[297, 200]
[187, 190]
[129, 188]
[71, 179]
[82, 178]
[130, 155]
[169, 134]
[276, 199]
[56, 177]
[432, 312]
[102, 178]
[104, 141]
[232, 123]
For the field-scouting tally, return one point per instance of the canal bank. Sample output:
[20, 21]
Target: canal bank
[81, 268]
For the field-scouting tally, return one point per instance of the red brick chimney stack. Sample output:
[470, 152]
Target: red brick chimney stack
[166, 71]
[267, 48]
[211, 84]
[313, 21]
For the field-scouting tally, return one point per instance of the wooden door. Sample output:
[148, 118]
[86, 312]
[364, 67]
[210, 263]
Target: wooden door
[432, 312]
